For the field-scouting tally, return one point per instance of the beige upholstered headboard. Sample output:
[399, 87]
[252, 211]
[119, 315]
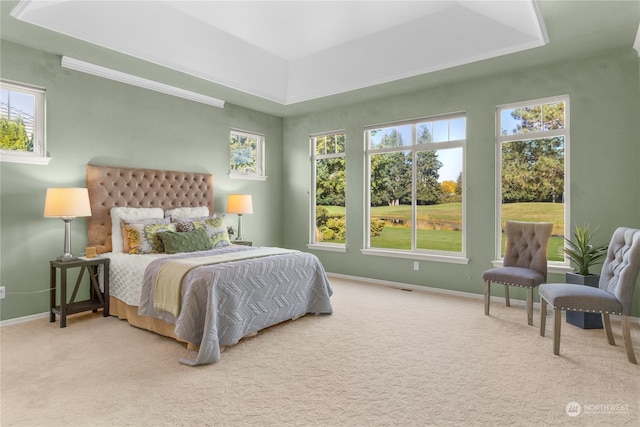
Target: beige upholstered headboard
[140, 188]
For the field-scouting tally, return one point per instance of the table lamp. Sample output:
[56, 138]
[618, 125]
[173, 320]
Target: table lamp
[239, 204]
[67, 204]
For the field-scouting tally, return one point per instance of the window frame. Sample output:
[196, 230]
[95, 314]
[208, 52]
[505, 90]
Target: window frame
[260, 175]
[553, 266]
[39, 154]
[335, 247]
[414, 148]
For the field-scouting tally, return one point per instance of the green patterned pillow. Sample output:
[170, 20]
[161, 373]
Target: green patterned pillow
[187, 241]
[216, 229]
[143, 238]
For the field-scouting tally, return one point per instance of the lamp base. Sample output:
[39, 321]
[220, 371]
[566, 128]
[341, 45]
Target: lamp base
[65, 258]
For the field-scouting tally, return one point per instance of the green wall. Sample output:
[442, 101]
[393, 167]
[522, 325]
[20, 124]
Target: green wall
[604, 153]
[94, 120]
[99, 121]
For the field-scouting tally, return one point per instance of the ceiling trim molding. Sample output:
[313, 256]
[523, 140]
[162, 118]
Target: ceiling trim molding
[542, 26]
[17, 11]
[107, 73]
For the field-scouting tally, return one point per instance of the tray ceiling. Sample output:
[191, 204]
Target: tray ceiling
[289, 52]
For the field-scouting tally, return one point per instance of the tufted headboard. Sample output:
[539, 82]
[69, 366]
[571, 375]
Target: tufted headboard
[140, 188]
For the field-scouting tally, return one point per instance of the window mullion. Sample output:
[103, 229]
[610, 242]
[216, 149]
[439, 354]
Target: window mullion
[414, 188]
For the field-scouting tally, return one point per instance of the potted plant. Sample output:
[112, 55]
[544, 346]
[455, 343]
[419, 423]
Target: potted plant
[584, 255]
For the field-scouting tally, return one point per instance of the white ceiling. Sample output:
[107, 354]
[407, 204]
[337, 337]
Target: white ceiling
[290, 52]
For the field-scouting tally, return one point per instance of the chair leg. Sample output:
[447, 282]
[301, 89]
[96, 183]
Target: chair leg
[543, 316]
[506, 295]
[487, 295]
[530, 306]
[626, 333]
[557, 317]
[607, 328]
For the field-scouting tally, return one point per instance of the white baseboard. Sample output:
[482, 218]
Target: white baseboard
[425, 288]
[23, 319]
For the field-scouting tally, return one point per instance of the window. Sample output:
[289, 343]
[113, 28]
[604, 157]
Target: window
[329, 190]
[415, 188]
[247, 155]
[22, 123]
[532, 139]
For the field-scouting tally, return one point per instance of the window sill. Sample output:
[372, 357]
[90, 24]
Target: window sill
[452, 259]
[26, 158]
[551, 268]
[248, 177]
[327, 247]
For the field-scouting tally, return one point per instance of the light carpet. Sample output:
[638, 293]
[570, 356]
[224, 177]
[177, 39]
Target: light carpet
[386, 357]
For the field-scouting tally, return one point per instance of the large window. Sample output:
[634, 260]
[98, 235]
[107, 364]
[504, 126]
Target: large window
[532, 140]
[247, 155]
[22, 123]
[329, 189]
[415, 188]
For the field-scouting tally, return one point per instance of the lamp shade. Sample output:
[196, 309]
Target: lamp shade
[239, 204]
[67, 202]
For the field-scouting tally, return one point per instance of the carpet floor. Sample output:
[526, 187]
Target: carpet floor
[386, 357]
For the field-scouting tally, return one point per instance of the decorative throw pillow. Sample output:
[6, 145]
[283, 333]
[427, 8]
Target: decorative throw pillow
[217, 231]
[215, 227]
[185, 223]
[120, 214]
[184, 226]
[125, 238]
[188, 241]
[143, 238]
[179, 214]
[189, 223]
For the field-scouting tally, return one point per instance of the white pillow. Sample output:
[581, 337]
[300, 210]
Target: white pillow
[184, 213]
[119, 215]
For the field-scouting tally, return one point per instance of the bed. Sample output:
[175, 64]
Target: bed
[172, 269]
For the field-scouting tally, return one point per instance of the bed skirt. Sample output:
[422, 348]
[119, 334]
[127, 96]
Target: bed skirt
[130, 313]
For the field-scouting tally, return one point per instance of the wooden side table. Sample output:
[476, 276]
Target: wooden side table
[242, 242]
[97, 298]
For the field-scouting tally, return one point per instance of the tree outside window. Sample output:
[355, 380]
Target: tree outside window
[329, 192]
[21, 123]
[532, 141]
[415, 190]
[246, 155]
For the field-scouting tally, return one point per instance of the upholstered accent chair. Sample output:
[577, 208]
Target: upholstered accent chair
[525, 261]
[614, 294]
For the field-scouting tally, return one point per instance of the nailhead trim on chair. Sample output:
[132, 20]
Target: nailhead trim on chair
[512, 284]
[586, 311]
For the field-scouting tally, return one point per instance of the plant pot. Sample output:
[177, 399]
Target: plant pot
[578, 318]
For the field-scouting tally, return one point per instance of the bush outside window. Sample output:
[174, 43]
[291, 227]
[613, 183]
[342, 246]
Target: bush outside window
[329, 189]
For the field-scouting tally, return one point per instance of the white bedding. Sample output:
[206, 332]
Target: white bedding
[126, 274]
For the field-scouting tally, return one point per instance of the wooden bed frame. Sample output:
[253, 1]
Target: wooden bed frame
[144, 188]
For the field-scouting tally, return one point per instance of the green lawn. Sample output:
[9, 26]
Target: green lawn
[440, 225]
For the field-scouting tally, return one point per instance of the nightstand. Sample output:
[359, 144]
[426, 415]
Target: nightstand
[96, 300]
[242, 242]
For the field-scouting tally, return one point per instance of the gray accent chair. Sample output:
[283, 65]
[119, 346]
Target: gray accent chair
[525, 261]
[614, 294]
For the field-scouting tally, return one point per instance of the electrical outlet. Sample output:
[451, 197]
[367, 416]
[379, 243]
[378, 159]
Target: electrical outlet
[2, 294]
[416, 265]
